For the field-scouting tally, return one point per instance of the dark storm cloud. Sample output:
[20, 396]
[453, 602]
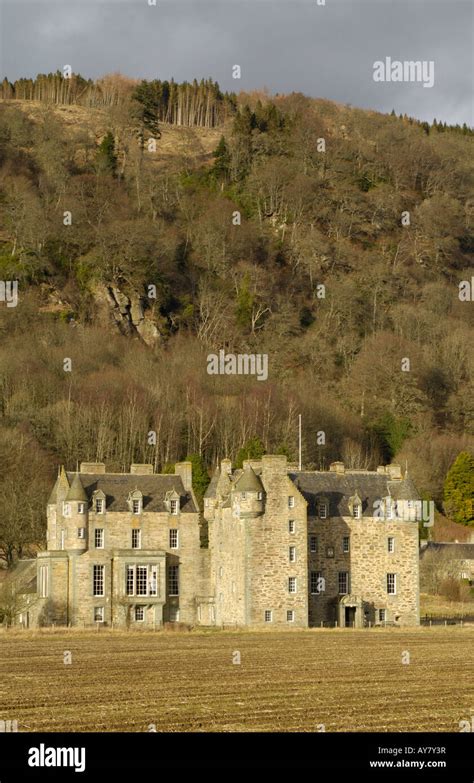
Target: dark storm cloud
[324, 51]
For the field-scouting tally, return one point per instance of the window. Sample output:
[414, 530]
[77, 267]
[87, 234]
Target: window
[142, 580]
[173, 580]
[292, 584]
[291, 526]
[98, 614]
[136, 538]
[174, 506]
[243, 495]
[136, 506]
[313, 543]
[81, 532]
[292, 554]
[391, 544]
[345, 544]
[99, 538]
[43, 582]
[290, 616]
[259, 495]
[99, 506]
[343, 582]
[66, 509]
[81, 508]
[382, 615]
[268, 615]
[174, 538]
[98, 579]
[316, 582]
[139, 614]
[391, 584]
[153, 580]
[357, 511]
[323, 510]
[291, 501]
[130, 579]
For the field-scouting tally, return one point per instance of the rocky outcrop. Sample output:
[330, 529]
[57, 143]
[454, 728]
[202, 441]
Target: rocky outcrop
[127, 312]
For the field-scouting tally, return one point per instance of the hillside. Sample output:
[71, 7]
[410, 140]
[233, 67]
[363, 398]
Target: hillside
[355, 231]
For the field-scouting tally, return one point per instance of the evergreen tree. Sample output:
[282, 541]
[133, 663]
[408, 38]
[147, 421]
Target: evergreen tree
[200, 476]
[106, 157]
[459, 489]
[222, 159]
[252, 449]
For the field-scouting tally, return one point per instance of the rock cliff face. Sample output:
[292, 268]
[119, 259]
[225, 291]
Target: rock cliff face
[128, 313]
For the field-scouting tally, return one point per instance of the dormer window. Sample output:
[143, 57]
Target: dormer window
[357, 510]
[323, 510]
[66, 509]
[174, 506]
[99, 506]
[136, 506]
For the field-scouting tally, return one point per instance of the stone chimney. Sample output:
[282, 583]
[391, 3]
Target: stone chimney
[274, 464]
[394, 471]
[226, 466]
[337, 467]
[92, 467]
[185, 470]
[141, 469]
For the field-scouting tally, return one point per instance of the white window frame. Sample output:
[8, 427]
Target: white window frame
[174, 507]
[259, 495]
[139, 608]
[315, 577]
[268, 615]
[291, 526]
[346, 544]
[66, 509]
[391, 545]
[99, 614]
[136, 538]
[98, 568]
[382, 615]
[345, 581]
[292, 554]
[177, 578]
[313, 544]
[291, 501]
[357, 511]
[99, 505]
[323, 510]
[136, 506]
[81, 508]
[292, 584]
[290, 615]
[99, 538]
[81, 532]
[173, 539]
[391, 583]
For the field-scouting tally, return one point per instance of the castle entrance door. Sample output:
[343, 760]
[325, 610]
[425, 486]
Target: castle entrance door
[350, 616]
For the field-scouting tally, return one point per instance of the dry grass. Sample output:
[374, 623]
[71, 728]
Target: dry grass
[438, 606]
[348, 680]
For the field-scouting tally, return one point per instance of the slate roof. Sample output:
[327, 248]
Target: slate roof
[461, 551]
[339, 488]
[248, 481]
[117, 486]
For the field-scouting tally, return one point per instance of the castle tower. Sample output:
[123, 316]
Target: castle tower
[75, 514]
[247, 495]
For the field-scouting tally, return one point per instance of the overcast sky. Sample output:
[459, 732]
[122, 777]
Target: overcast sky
[284, 45]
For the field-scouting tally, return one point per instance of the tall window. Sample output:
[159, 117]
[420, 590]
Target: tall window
[99, 538]
[130, 580]
[345, 544]
[173, 538]
[98, 579]
[81, 508]
[81, 532]
[292, 584]
[291, 526]
[357, 511]
[292, 554]
[142, 580]
[174, 506]
[313, 543]
[173, 580]
[343, 582]
[43, 582]
[66, 509]
[323, 510]
[136, 538]
[382, 615]
[136, 505]
[139, 613]
[391, 584]
[99, 506]
[153, 580]
[316, 582]
[391, 544]
[268, 615]
[290, 616]
[291, 501]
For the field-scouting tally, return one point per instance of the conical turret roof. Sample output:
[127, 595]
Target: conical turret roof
[248, 481]
[77, 491]
[61, 486]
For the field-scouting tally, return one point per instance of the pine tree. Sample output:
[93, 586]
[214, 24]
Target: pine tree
[106, 157]
[221, 154]
[200, 476]
[252, 449]
[459, 489]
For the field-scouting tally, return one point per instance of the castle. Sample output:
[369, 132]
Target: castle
[285, 548]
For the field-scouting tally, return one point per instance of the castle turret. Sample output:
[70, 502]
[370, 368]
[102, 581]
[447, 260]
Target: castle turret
[247, 494]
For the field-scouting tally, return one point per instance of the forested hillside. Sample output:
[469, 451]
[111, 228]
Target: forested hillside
[332, 239]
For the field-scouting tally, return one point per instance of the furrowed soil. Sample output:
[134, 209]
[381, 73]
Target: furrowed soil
[347, 680]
